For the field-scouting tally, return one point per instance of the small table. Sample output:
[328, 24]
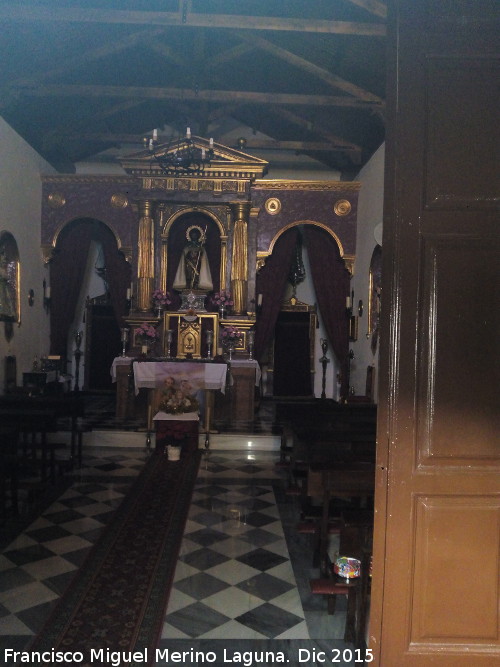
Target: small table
[180, 430]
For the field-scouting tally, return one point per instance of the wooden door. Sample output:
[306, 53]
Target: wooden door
[437, 551]
[292, 355]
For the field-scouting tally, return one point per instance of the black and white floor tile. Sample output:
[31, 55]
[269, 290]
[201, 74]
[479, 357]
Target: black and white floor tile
[242, 572]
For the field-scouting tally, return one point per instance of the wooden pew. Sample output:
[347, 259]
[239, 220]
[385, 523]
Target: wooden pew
[64, 407]
[9, 437]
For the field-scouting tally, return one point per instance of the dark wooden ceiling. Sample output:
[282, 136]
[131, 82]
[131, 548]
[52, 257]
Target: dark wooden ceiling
[80, 76]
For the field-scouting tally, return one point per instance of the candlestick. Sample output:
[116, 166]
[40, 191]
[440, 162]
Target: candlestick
[210, 340]
[250, 340]
[169, 337]
[125, 332]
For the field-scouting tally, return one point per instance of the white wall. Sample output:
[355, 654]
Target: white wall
[370, 211]
[21, 196]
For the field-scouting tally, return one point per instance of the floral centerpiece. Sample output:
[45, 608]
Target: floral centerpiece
[230, 337]
[222, 300]
[146, 335]
[178, 397]
[160, 300]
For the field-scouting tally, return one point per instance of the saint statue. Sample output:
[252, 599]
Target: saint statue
[193, 271]
[7, 298]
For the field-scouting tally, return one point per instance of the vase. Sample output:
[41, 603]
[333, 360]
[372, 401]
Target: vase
[173, 453]
[230, 350]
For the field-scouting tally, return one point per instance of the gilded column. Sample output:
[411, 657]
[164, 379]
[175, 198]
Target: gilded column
[239, 266]
[145, 257]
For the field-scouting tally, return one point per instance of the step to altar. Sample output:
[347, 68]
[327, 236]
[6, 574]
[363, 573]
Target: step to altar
[220, 441]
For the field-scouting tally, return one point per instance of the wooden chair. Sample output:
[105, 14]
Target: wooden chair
[352, 480]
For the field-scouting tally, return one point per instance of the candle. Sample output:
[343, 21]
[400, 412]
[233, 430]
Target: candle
[47, 292]
[155, 134]
[150, 144]
[210, 336]
[211, 142]
[202, 153]
[131, 288]
[259, 300]
[169, 335]
[129, 294]
[188, 133]
[348, 302]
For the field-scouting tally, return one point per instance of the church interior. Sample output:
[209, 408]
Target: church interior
[235, 249]
[191, 244]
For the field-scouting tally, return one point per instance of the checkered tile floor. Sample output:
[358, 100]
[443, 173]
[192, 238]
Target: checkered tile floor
[234, 577]
[242, 573]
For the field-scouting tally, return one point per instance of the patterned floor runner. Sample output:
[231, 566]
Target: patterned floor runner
[118, 599]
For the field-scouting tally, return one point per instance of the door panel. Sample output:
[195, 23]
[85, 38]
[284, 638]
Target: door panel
[436, 583]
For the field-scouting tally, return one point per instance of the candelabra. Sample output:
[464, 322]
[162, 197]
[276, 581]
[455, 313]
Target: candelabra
[185, 158]
[78, 355]
[324, 363]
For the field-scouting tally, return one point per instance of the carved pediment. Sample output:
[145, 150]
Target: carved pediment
[226, 162]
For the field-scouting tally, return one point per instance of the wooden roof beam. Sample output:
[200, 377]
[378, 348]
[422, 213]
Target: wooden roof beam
[36, 13]
[373, 6]
[331, 79]
[187, 94]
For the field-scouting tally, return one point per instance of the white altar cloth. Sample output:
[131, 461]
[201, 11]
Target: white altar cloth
[119, 361]
[152, 374]
[248, 363]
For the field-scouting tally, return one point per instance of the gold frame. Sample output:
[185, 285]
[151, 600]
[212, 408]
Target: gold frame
[242, 325]
[8, 241]
[168, 321]
[168, 216]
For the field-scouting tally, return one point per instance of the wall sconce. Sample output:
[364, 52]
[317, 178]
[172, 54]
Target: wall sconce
[31, 297]
[46, 296]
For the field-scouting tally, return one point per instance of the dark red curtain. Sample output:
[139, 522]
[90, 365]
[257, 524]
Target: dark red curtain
[271, 283]
[118, 271]
[331, 284]
[67, 271]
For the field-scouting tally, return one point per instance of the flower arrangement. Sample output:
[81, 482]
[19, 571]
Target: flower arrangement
[160, 298]
[178, 398]
[222, 298]
[230, 334]
[146, 333]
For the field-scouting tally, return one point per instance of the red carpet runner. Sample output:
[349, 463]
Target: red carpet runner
[117, 600]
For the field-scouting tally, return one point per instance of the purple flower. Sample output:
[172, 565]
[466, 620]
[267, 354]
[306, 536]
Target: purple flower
[160, 298]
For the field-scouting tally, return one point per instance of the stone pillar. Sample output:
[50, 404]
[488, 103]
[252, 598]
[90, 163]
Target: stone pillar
[145, 257]
[239, 265]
